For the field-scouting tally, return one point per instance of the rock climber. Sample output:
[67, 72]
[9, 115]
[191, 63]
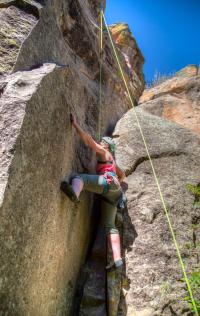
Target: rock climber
[106, 182]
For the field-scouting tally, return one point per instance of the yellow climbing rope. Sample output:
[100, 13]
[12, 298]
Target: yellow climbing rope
[100, 72]
[151, 163]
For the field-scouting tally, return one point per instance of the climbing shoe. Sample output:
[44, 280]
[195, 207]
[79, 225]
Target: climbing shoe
[68, 190]
[118, 264]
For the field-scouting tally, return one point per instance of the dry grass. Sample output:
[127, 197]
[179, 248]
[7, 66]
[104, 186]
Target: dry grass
[159, 78]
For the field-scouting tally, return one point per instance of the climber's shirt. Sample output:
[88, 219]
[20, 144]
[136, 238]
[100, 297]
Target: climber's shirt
[107, 169]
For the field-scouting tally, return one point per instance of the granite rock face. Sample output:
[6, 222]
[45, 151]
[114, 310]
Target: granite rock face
[152, 266]
[16, 24]
[177, 99]
[40, 256]
[49, 68]
[131, 56]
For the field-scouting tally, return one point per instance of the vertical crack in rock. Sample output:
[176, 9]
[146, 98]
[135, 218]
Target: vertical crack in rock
[75, 31]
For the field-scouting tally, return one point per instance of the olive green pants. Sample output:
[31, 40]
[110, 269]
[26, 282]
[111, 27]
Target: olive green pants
[111, 192]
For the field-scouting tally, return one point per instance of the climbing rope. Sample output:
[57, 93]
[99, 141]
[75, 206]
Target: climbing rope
[154, 173]
[100, 71]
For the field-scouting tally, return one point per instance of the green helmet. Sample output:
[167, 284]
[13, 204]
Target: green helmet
[110, 142]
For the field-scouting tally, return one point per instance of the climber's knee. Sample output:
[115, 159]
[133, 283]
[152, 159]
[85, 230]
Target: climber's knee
[92, 183]
[83, 177]
[78, 176]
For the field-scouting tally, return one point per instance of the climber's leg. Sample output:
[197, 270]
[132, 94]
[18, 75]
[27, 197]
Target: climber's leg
[108, 216]
[94, 183]
[91, 183]
[114, 242]
[77, 185]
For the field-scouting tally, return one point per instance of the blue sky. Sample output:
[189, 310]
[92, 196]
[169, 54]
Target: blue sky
[167, 31]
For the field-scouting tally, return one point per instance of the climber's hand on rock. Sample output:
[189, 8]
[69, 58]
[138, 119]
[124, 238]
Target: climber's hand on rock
[72, 119]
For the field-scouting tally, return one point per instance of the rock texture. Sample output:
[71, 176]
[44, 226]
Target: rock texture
[100, 291]
[52, 69]
[177, 99]
[152, 267]
[16, 24]
[38, 225]
[132, 59]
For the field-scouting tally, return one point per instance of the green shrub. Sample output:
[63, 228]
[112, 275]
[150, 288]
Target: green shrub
[159, 78]
[195, 190]
[194, 279]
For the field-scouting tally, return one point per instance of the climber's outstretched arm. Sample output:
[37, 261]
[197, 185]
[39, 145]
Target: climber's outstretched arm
[87, 138]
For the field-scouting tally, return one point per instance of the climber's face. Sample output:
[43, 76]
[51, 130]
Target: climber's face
[104, 144]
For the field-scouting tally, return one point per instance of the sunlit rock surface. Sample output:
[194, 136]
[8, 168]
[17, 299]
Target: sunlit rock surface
[177, 99]
[132, 58]
[152, 266]
[49, 67]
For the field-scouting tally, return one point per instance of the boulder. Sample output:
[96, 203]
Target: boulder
[177, 99]
[154, 284]
[43, 236]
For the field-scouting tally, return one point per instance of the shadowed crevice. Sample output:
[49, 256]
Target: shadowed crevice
[140, 160]
[30, 7]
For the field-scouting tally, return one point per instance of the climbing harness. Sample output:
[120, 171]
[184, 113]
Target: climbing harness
[132, 101]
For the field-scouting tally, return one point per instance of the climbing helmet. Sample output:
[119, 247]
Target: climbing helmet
[110, 142]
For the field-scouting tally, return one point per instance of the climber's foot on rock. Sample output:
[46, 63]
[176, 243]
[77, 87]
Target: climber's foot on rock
[115, 265]
[68, 190]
